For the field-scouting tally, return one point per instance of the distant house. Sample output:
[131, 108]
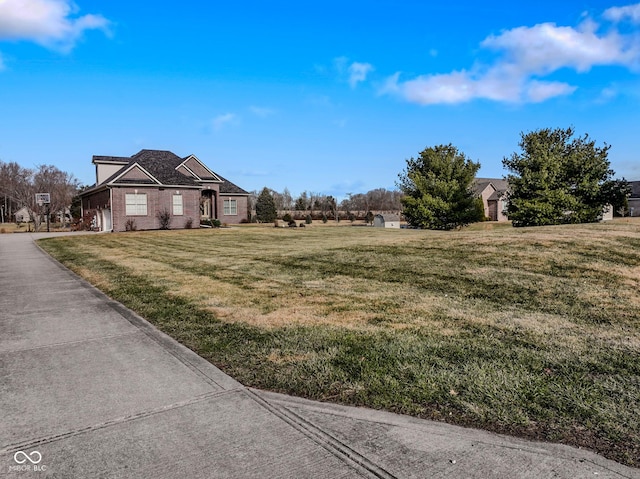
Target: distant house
[130, 192]
[493, 193]
[386, 221]
[22, 215]
[634, 198]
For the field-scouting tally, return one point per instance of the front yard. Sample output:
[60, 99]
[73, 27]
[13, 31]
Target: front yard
[533, 332]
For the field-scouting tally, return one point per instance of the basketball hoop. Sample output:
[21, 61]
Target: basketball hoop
[43, 198]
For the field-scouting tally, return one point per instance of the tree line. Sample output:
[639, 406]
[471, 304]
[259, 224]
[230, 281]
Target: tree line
[19, 185]
[268, 204]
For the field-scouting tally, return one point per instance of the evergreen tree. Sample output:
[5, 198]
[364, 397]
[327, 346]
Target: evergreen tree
[266, 207]
[437, 188]
[558, 178]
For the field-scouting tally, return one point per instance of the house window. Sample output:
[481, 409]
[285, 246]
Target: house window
[136, 204]
[230, 207]
[177, 205]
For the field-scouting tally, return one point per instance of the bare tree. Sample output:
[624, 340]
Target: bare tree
[378, 199]
[18, 187]
[60, 185]
[302, 202]
[287, 200]
[15, 186]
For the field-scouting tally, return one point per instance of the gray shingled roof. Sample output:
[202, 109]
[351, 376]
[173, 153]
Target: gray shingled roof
[230, 188]
[162, 165]
[479, 184]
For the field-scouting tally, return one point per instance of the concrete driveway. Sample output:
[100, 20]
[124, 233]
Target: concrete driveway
[89, 389]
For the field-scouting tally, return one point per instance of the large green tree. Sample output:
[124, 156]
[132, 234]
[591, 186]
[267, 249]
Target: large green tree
[437, 189]
[266, 206]
[559, 178]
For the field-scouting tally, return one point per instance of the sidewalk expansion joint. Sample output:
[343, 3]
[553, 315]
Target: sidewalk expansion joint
[336, 447]
[9, 448]
[68, 343]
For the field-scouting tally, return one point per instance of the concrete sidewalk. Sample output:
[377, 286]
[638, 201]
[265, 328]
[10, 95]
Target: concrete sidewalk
[89, 389]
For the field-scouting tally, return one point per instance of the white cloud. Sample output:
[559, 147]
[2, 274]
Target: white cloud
[358, 73]
[608, 94]
[222, 120]
[261, 111]
[525, 55]
[545, 48]
[617, 14]
[47, 22]
[454, 87]
[354, 72]
[539, 91]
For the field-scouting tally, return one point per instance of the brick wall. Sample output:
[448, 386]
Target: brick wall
[157, 200]
[96, 200]
[242, 202]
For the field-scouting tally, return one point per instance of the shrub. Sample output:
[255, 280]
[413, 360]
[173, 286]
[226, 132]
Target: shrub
[214, 223]
[301, 225]
[292, 224]
[324, 218]
[369, 217]
[287, 218]
[308, 219]
[86, 223]
[189, 223]
[130, 225]
[165, 218]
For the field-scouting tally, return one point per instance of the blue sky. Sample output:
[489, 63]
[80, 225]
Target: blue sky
[330, 97]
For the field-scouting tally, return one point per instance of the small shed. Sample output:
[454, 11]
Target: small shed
[386, 221]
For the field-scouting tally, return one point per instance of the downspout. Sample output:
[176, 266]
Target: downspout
[111, 207]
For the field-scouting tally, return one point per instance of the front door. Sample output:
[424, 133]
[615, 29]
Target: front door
[208, 205]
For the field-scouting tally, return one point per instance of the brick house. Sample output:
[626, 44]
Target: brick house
[132, 191]
[492, 191]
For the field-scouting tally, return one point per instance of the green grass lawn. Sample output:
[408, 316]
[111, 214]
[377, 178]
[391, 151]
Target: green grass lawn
[533, 332]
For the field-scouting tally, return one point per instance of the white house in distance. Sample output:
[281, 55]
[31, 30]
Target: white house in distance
[22, 215]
